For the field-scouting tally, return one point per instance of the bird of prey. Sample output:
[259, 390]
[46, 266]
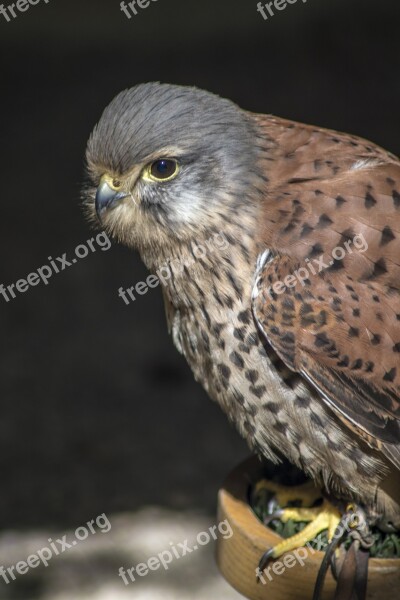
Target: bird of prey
[293, 327]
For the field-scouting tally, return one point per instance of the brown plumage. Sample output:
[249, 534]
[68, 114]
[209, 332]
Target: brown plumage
[308, 365]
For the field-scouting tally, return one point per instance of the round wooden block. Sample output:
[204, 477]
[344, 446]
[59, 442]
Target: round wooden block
[288, 577]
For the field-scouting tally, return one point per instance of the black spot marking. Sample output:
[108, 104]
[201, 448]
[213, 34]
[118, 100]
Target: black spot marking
[347, 234]
[387, 236]
[316, 250]
[344, 362]
[252, 410]
[302, 179]
[302, 402]
[244, 317]
[228, 301]
[288, 303]
[379, 269]
[273, 407]
[324, 221]
[289, 227]
[357, 364]
[316, 420]
[288, 338]
[321, 340]
[252, 375]
[244, 348]
[337, 265]
[390, 375]
[339, 201]
[236, 359]
[258, 391]
[224, 371]
[239, 333]
[306, 309]
[306, 230]
[396, 198]
[217, 328]
[369, 200]
[376, 339]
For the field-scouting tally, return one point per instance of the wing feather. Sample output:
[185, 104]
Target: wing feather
[337, 324]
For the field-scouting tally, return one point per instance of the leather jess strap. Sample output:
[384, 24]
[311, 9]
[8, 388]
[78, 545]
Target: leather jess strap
[353, 576]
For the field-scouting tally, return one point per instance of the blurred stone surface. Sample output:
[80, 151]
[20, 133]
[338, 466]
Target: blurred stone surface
[89, 569]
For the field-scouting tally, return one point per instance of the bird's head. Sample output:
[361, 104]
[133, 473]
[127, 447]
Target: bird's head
[166, 161]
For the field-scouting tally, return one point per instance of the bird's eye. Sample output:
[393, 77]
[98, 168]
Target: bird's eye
[163, 169]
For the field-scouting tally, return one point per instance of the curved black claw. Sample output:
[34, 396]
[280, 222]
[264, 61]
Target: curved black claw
[266, 557]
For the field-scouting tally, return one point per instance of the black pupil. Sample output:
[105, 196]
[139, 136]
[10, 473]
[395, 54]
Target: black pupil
[163, 168]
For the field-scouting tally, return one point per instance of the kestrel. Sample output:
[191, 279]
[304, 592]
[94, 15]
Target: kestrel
[293, 327]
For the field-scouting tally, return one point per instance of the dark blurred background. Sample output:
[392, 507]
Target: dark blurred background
[99, 413]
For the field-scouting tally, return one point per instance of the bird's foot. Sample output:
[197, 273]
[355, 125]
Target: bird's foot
[324, 516]
[320, 518]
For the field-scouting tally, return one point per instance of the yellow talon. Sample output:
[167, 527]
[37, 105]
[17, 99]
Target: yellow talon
[321, 518]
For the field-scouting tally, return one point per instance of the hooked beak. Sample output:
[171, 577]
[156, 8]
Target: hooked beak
[107, 196]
